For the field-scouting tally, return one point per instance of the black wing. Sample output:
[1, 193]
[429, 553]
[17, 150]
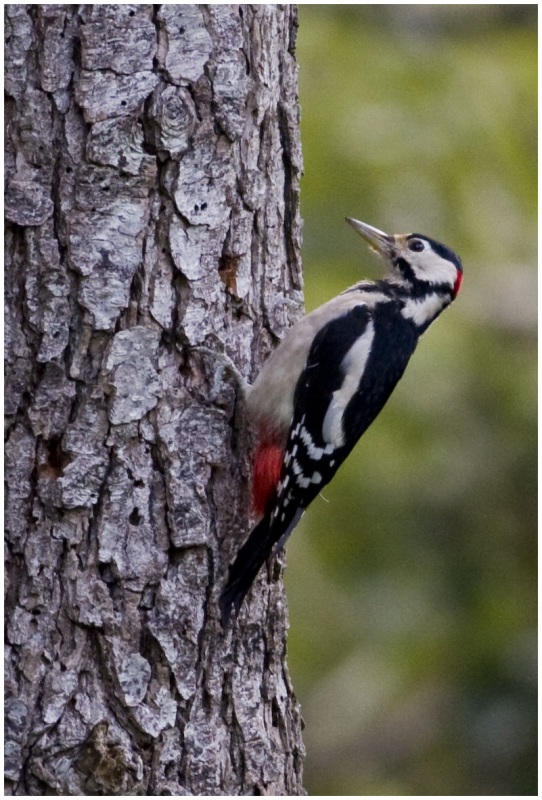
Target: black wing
[353, 366]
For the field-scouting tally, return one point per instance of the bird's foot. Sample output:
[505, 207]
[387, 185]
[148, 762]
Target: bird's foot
[224, 365]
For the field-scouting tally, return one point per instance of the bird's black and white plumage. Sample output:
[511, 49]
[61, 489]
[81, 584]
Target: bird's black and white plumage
[328, 380]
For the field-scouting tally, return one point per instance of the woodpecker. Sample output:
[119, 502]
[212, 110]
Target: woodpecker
[326, 383]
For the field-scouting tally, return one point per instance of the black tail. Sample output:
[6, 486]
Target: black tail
[244, 569]
[265, 539]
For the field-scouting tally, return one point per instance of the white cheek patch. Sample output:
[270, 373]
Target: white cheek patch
[432, 268]
[352, 366]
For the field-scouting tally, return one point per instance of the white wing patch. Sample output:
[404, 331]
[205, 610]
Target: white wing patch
[352, 366]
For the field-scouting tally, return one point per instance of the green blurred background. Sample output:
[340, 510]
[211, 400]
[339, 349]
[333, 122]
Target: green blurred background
[412, 586]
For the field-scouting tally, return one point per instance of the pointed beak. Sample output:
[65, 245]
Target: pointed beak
[377, 240]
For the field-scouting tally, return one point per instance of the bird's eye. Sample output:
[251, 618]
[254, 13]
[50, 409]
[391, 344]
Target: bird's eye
[416, 245]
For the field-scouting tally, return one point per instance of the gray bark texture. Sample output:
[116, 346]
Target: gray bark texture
[152, 169]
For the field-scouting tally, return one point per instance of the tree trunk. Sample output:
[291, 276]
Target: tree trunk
[152, 174]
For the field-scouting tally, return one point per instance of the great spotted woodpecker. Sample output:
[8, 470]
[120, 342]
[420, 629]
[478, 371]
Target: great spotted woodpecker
[328, 380]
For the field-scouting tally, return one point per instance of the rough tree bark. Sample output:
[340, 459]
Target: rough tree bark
[152, 174]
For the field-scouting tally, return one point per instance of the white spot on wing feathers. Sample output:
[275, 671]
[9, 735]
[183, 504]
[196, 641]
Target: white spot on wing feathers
[314, 452]
[302, 480]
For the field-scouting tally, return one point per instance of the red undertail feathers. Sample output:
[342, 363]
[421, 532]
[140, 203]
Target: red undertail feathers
[265, 474]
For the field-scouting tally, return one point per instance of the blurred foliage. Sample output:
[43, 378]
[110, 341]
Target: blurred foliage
[413, 588]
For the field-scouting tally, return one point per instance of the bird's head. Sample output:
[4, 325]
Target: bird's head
[415, 260]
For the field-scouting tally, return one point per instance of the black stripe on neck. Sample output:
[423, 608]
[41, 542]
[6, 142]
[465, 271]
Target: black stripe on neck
[406, 270]
[416, 287]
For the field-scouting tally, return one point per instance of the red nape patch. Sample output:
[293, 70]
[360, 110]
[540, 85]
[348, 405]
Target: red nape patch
[457, 284]
[265, 475]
